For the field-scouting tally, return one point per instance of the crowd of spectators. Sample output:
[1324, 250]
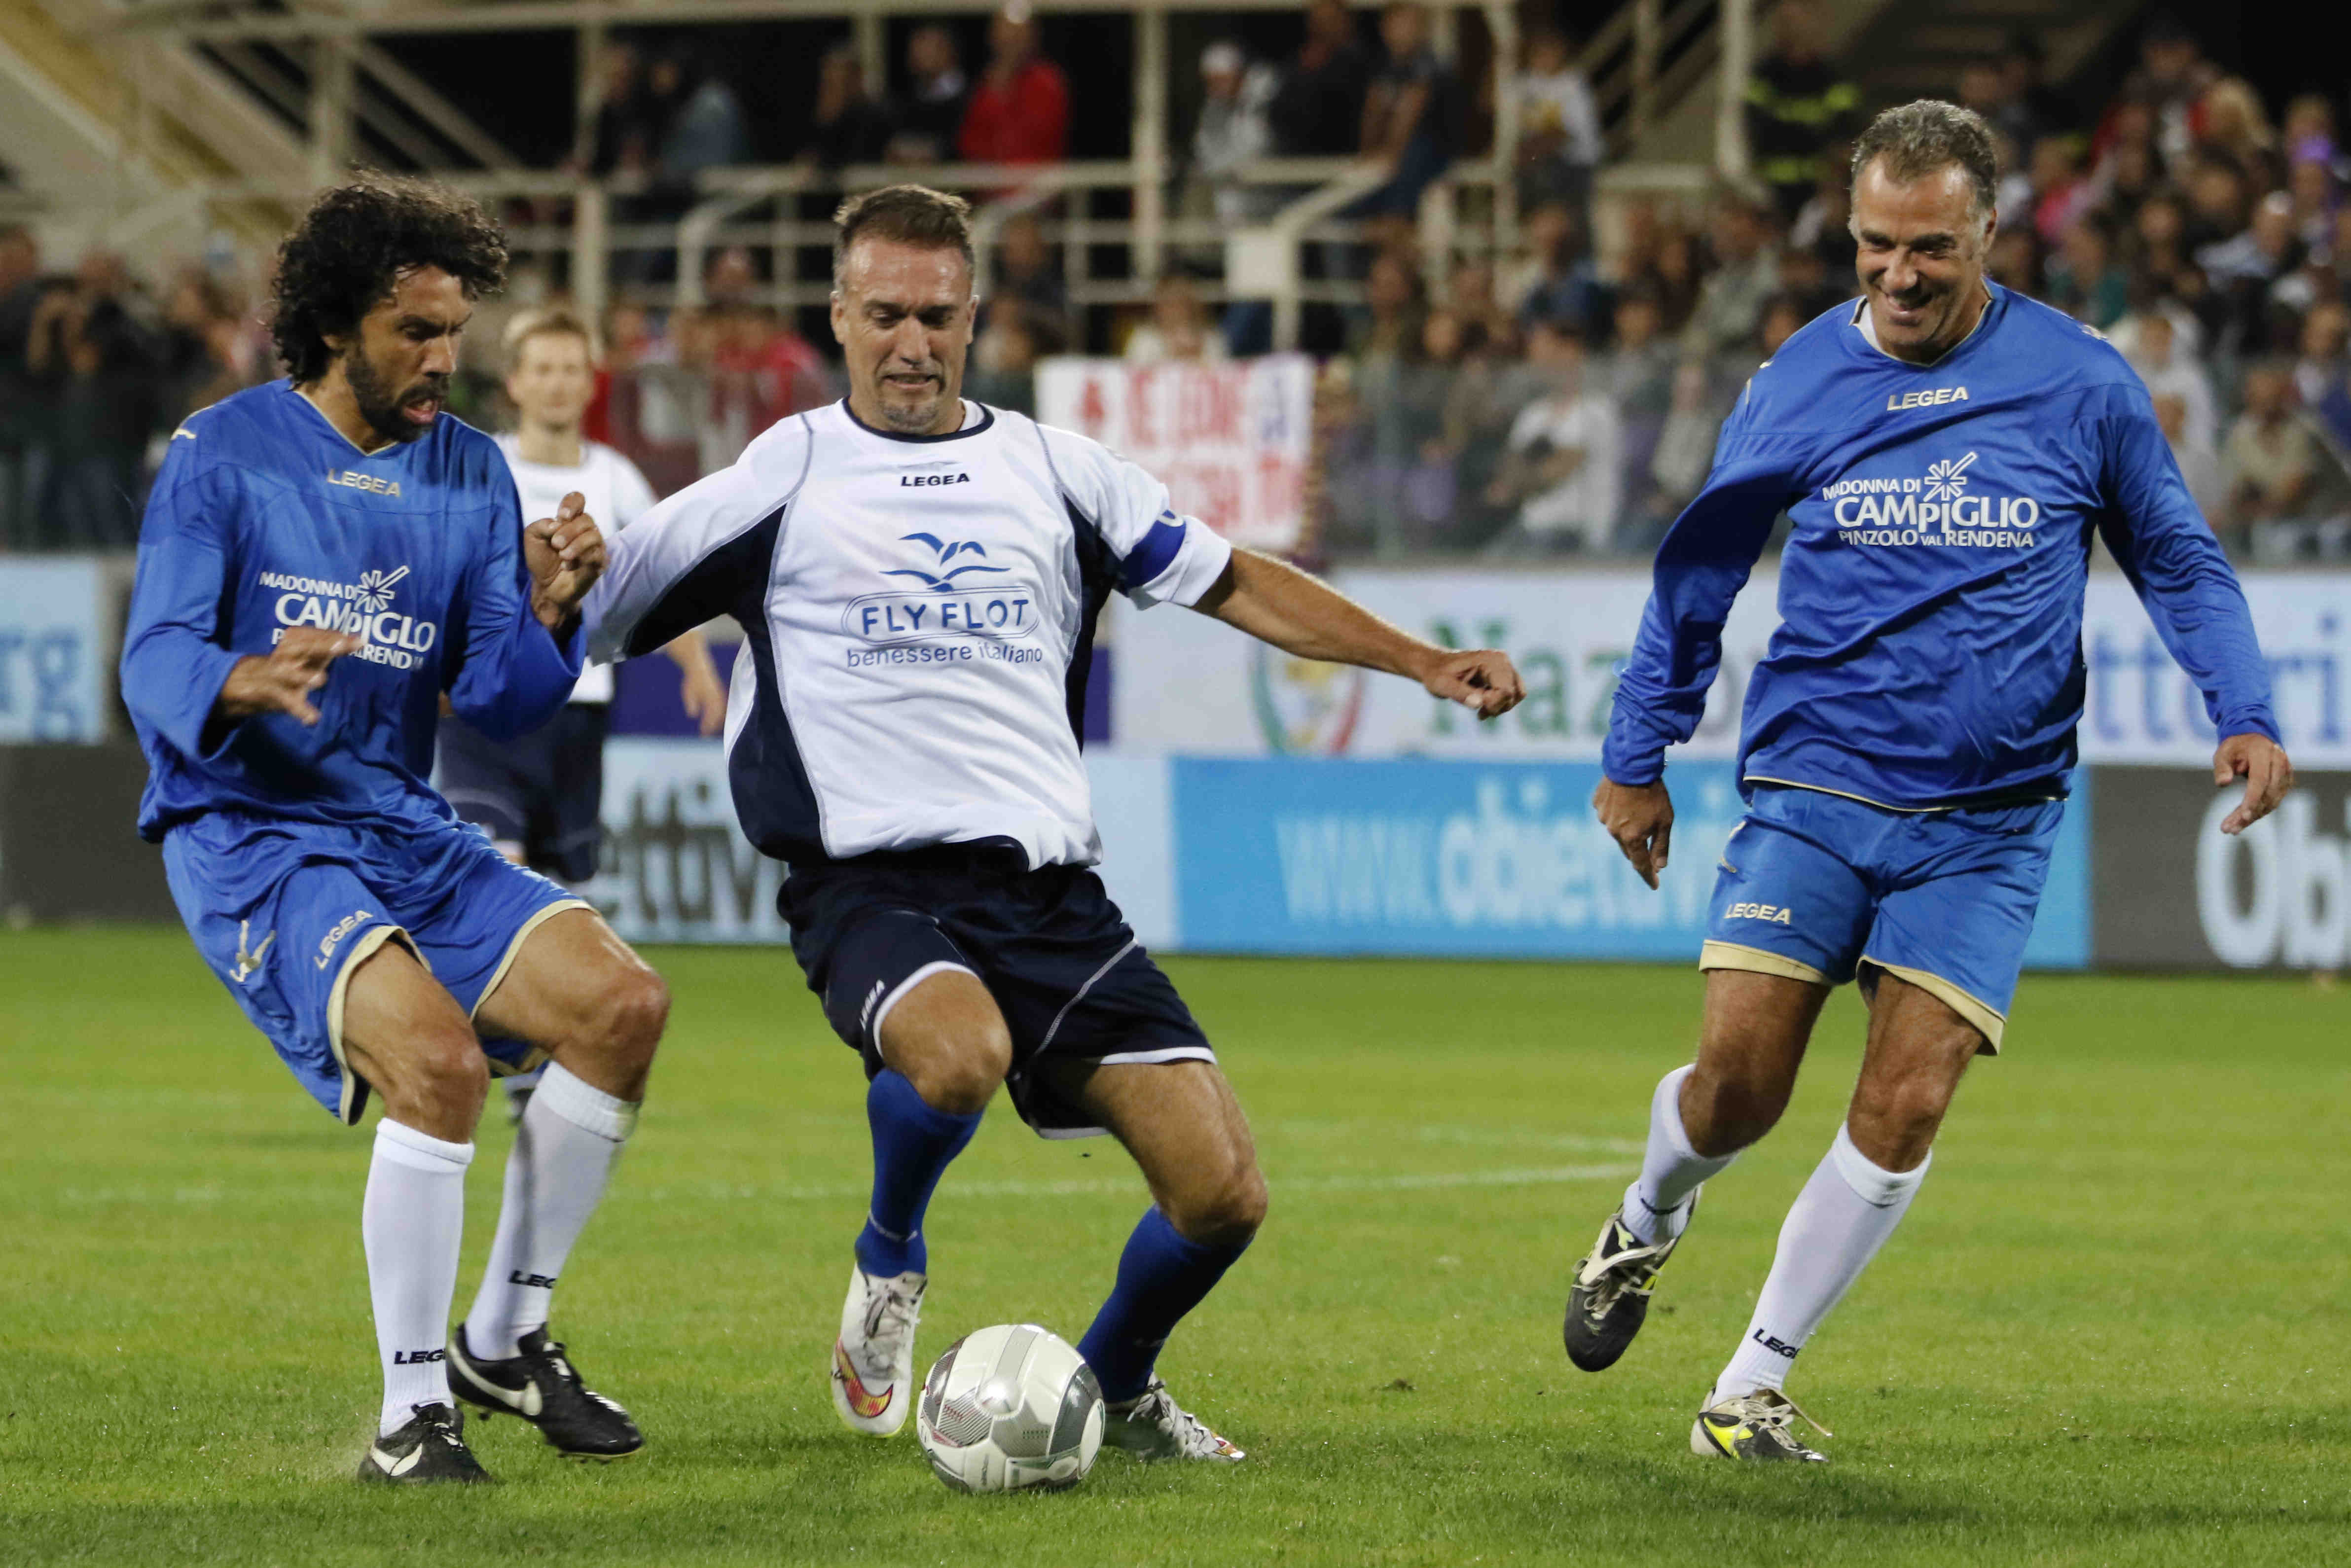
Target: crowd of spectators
[1557, 399]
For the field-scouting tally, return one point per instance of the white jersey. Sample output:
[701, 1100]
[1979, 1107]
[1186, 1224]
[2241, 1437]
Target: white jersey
[918, 618]
[617, 495]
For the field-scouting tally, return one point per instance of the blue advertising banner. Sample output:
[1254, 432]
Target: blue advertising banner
[1466, 858]
[51, 644]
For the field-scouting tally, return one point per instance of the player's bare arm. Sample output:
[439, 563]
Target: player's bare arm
[1276, 603]
[1640, 818]
[2262, 764]
[566, 555]
[699, 687]
[282, 681]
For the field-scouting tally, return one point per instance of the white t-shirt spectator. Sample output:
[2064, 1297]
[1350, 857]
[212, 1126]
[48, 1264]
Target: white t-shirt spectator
[1586, 502]
[1561, 104]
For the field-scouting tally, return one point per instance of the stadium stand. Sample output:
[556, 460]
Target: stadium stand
[1464, 227]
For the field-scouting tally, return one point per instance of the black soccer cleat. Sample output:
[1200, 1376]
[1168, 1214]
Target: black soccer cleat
[430, 1448]
[541, 1386]
[1609, 1300]
[1758, 1428]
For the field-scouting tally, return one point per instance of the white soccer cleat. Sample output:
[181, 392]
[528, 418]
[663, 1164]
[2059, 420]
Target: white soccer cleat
[1152, 1425]
[874, 1360]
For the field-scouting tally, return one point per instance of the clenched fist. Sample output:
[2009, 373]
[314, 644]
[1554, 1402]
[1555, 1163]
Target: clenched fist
[566, 555]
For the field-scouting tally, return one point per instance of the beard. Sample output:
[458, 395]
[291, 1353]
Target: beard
[380, 404]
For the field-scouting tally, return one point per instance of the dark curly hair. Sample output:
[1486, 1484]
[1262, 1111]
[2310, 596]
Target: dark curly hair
[348, 251]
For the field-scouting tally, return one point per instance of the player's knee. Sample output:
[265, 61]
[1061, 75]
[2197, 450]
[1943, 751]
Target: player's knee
[1895, 1124]
[636, 1011]
[440, 1085]
[960, 1075]
[1223, 1213]
[1727, 1109]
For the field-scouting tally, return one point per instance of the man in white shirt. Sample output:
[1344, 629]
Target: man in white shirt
[917, 578]
[540, 797]
[1564, 464]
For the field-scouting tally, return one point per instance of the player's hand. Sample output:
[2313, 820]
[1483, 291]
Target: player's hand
[1640, 818]
[2262, 763]
[704, 696]
[282, 682]
[566, 555]
[1481, 679]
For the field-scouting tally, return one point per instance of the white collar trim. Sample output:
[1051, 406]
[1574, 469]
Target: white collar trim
[1868, 325]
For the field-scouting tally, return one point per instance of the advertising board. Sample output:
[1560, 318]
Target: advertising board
[53, 650]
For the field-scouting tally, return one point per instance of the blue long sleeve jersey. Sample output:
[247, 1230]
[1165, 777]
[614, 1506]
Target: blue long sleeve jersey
[1932, 592]
[265, 518]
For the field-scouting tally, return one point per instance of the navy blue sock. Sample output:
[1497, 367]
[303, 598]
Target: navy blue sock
[912, 1145]
[1161, 1277]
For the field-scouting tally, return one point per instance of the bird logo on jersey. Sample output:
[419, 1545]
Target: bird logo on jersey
[945, 551]
[375, 588]
[248, 963]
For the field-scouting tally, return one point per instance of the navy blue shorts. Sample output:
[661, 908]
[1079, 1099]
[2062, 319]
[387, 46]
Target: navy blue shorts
[544, 791]
[1064, 968]
[283, 912]
[1823, 887]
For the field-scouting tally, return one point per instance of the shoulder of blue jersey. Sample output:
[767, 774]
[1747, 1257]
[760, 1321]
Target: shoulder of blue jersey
[236, 429]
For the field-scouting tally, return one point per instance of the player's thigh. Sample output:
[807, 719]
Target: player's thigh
[574, 989]
[1919, 1047]
[1183, 1125]
[405, 1034]
[1957, 923]
[945, 1035]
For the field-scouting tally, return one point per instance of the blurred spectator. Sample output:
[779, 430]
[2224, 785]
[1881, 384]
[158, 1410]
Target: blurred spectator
[20, 272]
[1318, 109]
[1566, 284]
[1685, 449]
[2318, 368]
[1481, 406]
[2171, 76]
[1004, 364]
[730, 280]
[1020, 113]
[2243, 269]
[92, 357]
[1638, 376]
[2310, 184]
[1807, 281]
[2270, 462]
[1469, 294]
[1180, 329]
[2060, 193]
[1784, 317]
[2029, 105]
[1233, 131]
[2229, 120]
[1028, 282]
[1560, 146]
[849, 125]
[1413, 119]
[2307, 134]
[1562, 469]
[204, 354]
[2014, 260]
[932, 116]
[708, 130]
[2171, 369]
[1823, 226]
[2199, 465]
[1747, 273]
[2084, 281]
[1388, 329]
[1798, 106]
[625, 136]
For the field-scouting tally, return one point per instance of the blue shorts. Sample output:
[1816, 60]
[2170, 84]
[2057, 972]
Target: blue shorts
[1065, 969]
[284, 911]
[1824, 887]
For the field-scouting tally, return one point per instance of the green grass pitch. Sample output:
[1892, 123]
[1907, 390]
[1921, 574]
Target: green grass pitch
[2114, 1329]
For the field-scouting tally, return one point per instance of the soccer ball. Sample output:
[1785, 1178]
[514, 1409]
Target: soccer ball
[1008, 1407]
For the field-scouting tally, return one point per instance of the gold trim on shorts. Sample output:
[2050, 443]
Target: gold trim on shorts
[537, 1056]
[1739, 956]
[1987, 1022]
[353, 1099]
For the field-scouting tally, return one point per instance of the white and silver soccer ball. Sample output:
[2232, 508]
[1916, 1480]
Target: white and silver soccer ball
[1009, 1408]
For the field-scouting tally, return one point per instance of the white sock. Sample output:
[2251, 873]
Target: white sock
[1840, 1220]
[412, 1223]
[563, 1154]
[1657, 1204]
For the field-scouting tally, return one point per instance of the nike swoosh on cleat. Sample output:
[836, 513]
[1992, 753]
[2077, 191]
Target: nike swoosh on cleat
[399, 1467]
[529, 1402]
[866, 1406]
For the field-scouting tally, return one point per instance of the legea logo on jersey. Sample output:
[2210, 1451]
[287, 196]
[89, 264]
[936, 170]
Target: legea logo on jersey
[364, 607]
[963, 595]
[1936, 508]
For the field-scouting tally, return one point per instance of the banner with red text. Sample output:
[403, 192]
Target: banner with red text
[1230, 440]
